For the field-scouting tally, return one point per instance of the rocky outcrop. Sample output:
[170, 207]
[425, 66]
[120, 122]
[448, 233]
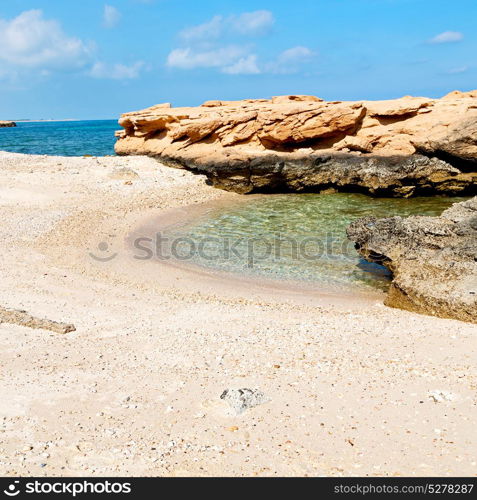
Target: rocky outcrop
[433, 259]
[400, 147]
[4, 124]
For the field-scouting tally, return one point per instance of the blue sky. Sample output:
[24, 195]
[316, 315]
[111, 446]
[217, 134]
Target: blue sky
[95, 59]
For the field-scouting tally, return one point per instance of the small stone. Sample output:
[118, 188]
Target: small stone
[439, 396]
[243, 399]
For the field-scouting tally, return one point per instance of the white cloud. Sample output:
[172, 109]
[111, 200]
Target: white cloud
[111, 16]
[30, 41]
[189, 58]
[237, 60]
[244, 66]
[295, 54]
[254, 23]
[290, 60]
[459, 70]
[248, 23]
[215, 44]
[34, 46]
[209, 30]
[116, 71]
[447, 37]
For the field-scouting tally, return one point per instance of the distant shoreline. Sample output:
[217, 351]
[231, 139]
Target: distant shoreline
[66, 120]
[68, 138]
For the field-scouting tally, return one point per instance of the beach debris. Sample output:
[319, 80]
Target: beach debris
[22, 318]
[439, 396]
[241, 400]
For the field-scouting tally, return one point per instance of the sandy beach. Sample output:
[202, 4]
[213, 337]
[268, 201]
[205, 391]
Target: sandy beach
[352, 388]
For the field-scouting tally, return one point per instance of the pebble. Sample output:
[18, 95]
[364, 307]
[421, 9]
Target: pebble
[241, 400]
[439, 396]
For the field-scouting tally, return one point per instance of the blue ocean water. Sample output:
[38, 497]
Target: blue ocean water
[68, 138]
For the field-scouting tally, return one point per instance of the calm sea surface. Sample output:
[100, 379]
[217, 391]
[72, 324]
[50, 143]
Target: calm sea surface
[71, 138]
[297, 237]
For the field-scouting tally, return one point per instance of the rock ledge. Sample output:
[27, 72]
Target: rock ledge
[401, 147]
[433, 259]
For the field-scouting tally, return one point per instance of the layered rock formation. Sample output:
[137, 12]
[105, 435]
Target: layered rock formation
[433, 259]
[400, 147]
[7, 124]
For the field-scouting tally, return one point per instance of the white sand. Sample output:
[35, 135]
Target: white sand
[136, 389]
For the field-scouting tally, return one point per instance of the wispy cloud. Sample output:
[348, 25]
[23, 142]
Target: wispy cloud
[189, 58]
[290, 60]
[459, 70]
[253, 23]
[256, 23]
[447, 37]
[209, 30]
[219, 43]
[117, 71]
[111, 16]
[239, 60]
[244, 66]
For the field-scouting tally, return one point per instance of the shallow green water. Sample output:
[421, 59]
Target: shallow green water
[298, 237]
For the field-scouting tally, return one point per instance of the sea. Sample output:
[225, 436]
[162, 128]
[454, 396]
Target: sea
[61, 138]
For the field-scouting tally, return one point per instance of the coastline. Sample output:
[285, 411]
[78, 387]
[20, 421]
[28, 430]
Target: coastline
[231, 282]
[135, 390]
[54, 120]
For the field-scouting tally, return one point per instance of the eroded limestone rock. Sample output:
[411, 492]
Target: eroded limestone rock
[433, 259]
[400, 147]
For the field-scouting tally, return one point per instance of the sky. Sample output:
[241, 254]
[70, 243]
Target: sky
[96, 59]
